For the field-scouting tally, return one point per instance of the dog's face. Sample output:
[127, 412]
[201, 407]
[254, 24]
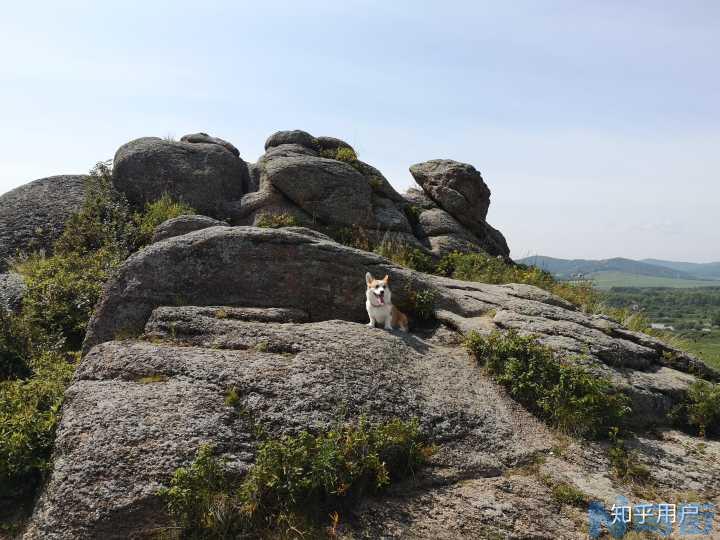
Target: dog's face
[378, 290]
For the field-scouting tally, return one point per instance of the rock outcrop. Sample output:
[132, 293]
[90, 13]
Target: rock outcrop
[12, 288]
[278, 315]
[183, 225]
[33, 216]
[303, 178]
[204, 175]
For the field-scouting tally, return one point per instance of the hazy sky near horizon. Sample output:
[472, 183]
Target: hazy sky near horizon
[595, 124]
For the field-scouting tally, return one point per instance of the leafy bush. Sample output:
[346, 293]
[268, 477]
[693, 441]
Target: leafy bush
[701, 409]
[13, 348]
[295, 482]
[342, 153]
[565, 395]
[275, 221]
[356, 237]
[421, 303]
[62, 290]
[29, 412]
[154, 214]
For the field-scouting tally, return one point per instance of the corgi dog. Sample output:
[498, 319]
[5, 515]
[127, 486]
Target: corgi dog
[379, 305]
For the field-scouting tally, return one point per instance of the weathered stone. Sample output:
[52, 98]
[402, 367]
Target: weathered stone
[12, 288]
[204, 176]
[388, 216]
[33, 216]
[297, 136]
[330, 191]
[183, 225]
[456, 187]
[209, 139]
[137, 411]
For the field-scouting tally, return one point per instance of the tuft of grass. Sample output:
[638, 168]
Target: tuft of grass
[420, 303]
[154, 214]
[375, 183]
[262, 346]
[403, 254]
[232, 398]
[356, 237]
[276, 221]
[565, 395]
[150, 379]
[624, 463]
[295, 483]
[564, 493]
[700, 411]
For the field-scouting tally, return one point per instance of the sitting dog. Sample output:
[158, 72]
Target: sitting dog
[379, 305]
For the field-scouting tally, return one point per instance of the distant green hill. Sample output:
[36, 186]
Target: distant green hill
[700, 270]
[575, 268]
[620, 272]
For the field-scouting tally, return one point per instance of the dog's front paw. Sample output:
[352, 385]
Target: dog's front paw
[370, 325]
[388, 327]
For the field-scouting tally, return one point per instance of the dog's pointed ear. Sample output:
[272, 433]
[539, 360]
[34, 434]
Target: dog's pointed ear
[368, 278]
[386, 279]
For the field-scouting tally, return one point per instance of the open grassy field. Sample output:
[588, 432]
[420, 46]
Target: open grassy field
[607, 280]
[706, 347]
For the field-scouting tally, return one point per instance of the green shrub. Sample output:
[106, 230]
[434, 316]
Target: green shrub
[564, 493]
[403, 254]
[154, 214]
[29, 412]
[13, 348]
[375, 183]
[420, 303]
[295, 483]
[62, 290]
[412, 213]
[565, 395]
[275, 221]
[342, 153]
[701, 409]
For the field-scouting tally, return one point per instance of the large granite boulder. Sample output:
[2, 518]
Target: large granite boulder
[33, 216]
[183, 225]
[209, 139]
[278, 315]
[330, 191]
[456, 187]
[205, 175]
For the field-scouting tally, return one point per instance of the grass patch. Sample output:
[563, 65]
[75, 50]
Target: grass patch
[296, 483]
[700, 412]
[276, 221]
[624, 463]
[564, 493]
[403, 254]
[151, 379]
[565, 395]
[154, 214]
[421, 303]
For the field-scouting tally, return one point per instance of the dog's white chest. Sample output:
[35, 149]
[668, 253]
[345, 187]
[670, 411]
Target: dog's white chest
[378, 313]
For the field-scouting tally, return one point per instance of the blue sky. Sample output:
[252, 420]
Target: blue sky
[595, 124]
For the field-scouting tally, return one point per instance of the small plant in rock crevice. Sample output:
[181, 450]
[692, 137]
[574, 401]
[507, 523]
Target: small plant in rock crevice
[276, 221]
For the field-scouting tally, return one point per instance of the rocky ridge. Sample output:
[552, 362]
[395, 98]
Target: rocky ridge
[278, 315]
